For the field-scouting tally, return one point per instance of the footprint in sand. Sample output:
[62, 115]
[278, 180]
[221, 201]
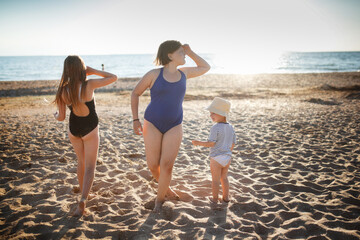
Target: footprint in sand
[134, 155]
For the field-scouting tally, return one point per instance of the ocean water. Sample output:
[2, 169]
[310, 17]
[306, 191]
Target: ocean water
[136, 65]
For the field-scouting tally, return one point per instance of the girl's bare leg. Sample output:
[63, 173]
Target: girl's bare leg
[170, 147]
[78, 146]
[215, 169]
[91, 147]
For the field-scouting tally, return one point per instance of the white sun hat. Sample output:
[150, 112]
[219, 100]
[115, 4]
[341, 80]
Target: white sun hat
[220, 106]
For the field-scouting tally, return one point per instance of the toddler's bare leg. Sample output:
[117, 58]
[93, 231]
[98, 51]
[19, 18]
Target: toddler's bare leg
[215, 169]
[225, 182]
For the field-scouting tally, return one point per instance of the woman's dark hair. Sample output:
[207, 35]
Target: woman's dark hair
[165, 48]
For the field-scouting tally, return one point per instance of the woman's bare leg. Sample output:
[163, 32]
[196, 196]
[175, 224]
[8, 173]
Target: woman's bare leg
[153, 145]
[170, 147]
[152, 140]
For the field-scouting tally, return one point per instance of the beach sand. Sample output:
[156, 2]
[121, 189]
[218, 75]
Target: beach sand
[295, 172]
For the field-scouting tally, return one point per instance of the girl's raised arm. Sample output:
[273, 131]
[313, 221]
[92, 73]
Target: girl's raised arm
[101, 82]
[201, 68]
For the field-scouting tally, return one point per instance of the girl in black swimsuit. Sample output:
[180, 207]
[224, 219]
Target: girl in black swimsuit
[80, 126]
[78, 94]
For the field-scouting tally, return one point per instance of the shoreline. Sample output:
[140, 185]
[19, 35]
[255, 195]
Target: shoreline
[207, 82]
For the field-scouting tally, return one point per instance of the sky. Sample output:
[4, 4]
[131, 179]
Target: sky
[92, 27]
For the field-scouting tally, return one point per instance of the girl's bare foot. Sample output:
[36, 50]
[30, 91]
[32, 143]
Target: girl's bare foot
[171, 195]
[80, 210]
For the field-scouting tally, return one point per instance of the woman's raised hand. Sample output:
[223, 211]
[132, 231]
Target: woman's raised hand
[187, 48]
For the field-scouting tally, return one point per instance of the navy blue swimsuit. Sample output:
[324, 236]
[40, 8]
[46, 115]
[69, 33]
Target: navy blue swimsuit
[165, 109]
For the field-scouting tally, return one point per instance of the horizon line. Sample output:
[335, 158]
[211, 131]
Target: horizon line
[124, 54]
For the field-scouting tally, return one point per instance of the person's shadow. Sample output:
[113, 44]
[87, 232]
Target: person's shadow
[217, 222]
[167, 213]
[144, 231]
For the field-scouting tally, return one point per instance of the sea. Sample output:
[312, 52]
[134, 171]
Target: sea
[24, 68]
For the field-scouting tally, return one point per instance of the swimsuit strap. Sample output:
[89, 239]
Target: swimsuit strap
[161, 75]
[163, 78]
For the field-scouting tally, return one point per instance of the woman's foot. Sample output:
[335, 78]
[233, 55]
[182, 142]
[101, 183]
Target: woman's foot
[158, 207]
[80, 210]
[171, 195]
[226, 200]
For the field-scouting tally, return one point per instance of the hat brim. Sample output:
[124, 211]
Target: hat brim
[217, 111]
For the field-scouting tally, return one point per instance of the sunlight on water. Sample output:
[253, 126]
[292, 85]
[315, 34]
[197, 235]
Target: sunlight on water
[249, 63]
[136, 65]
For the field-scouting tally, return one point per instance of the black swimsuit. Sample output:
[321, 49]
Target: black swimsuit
[81, 126]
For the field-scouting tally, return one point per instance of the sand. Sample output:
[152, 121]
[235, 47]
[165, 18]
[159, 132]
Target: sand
[295, 172]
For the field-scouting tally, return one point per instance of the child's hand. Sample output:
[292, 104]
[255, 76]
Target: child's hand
[194, 142]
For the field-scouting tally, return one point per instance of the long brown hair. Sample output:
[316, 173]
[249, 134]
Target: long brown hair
[74, 73]
[165, 48]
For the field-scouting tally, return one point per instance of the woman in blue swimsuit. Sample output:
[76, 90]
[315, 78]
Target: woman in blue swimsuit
[162, 129]
[78, 94]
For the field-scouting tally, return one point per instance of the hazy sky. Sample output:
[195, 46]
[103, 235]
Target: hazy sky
[44, 27]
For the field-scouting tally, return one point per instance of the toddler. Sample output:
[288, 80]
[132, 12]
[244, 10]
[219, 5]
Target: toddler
[221, 142]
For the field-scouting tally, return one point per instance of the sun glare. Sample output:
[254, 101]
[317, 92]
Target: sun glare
[249, 62]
